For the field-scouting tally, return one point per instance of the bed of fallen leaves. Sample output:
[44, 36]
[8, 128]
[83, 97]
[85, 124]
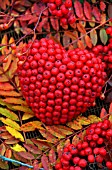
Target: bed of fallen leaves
[16, 118]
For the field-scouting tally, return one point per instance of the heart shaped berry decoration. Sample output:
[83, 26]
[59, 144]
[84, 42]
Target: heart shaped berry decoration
[57, 84]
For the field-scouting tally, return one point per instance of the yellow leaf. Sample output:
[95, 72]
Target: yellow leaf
[11, 40]
[83, 120]
[13, 100]
[18, 148]
[92, 24]
[15, 133]
[23, 109]
[110, 118]
[10, 123]
[37, 125]
[74, 125]
[94, 119]
[9, 114]
[64, 129]
[4, 42]
[75, 140]
[7, 64]
[27, 116]
[9, 93]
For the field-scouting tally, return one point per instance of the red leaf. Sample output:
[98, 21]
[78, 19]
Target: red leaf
[35, 165]
[25, 17]
[45, 163]
[54, 23]
[52, 157]
[87, 10]
[26, 155]
[96, 13]
[34, 19]
[78, 9]
[35, 9]
[102, 6]
[103, 114]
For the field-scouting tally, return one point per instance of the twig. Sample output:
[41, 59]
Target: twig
[87, 33]
[14, 161]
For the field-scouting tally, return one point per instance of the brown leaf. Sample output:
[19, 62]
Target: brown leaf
[110, 10]
[2, 149]
[55, 131]
[102, 5]
[81, 28]
[80, 45]
[48, 136]
[26, 155]
[66, 40]
[41, 144]
[32, 148]
[78, 9]
[45, 163]
[54, 23]
[18, 157]
[8, 153]
[5, 135]
[2, 129]
[87, 10]
[4, 165]
[88, 41]
[52, 157]
[96, 13]
[11, 141]
[19, 8]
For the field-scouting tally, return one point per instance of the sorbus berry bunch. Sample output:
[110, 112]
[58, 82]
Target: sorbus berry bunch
[105, 54]
[91, 150]
[59, 85]
[62, 10]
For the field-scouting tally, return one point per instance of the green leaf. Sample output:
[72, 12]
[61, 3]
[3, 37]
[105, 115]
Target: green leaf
[94, 37]
[103, 36]
[11, 115]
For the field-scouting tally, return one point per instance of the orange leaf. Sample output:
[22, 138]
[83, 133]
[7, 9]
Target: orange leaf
[75, 140]
[4, 42]
[13, 100]
[71, 35]
[11, 141]
[8, 153]
[42, 144]
[6, 86]
[55, 131]
[2, 149]
[103, 18]
[9, 93]
[88, 41]
[60, 149]
[13, 68]
[3, 78]
[5, 135]
[81, 28]
[80, 45]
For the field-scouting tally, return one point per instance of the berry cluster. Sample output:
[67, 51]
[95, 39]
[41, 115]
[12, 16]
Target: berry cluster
[91, 150]
[59, 85]
[104, 53]
[61, 9]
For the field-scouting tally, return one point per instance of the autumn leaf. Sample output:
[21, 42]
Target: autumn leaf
[102, 5]
[8, 153]
[6, 86]
[88, 41]
[26, 155]
[11, 141]
[96, 13]
[83, 120]
[103, 114]
[4, 42]
[45, 163]
[13, 68]
[94, 37]
[94, 118]
[42, 144]
[81, 28]
[13, 100]
[4, 165]
[78, 9]
[71, 35]
[110, 109]
[2, 149]
[9, 93]
[10, 123]
[103, 36]
[60, 147]
[92, 23]
[11, 115]
[54, 23]
[15, 133]
[48, 136]
[80, 44]
[32, 148]
[3, 78]
[27, 127]
[55, 131]
[27, 116]
[52, 157]
[87, 10]
[75, 140]
[5, 135]
[74, 125]
[110, 10]
[23, 109]
[18, 148]
[64, 129]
